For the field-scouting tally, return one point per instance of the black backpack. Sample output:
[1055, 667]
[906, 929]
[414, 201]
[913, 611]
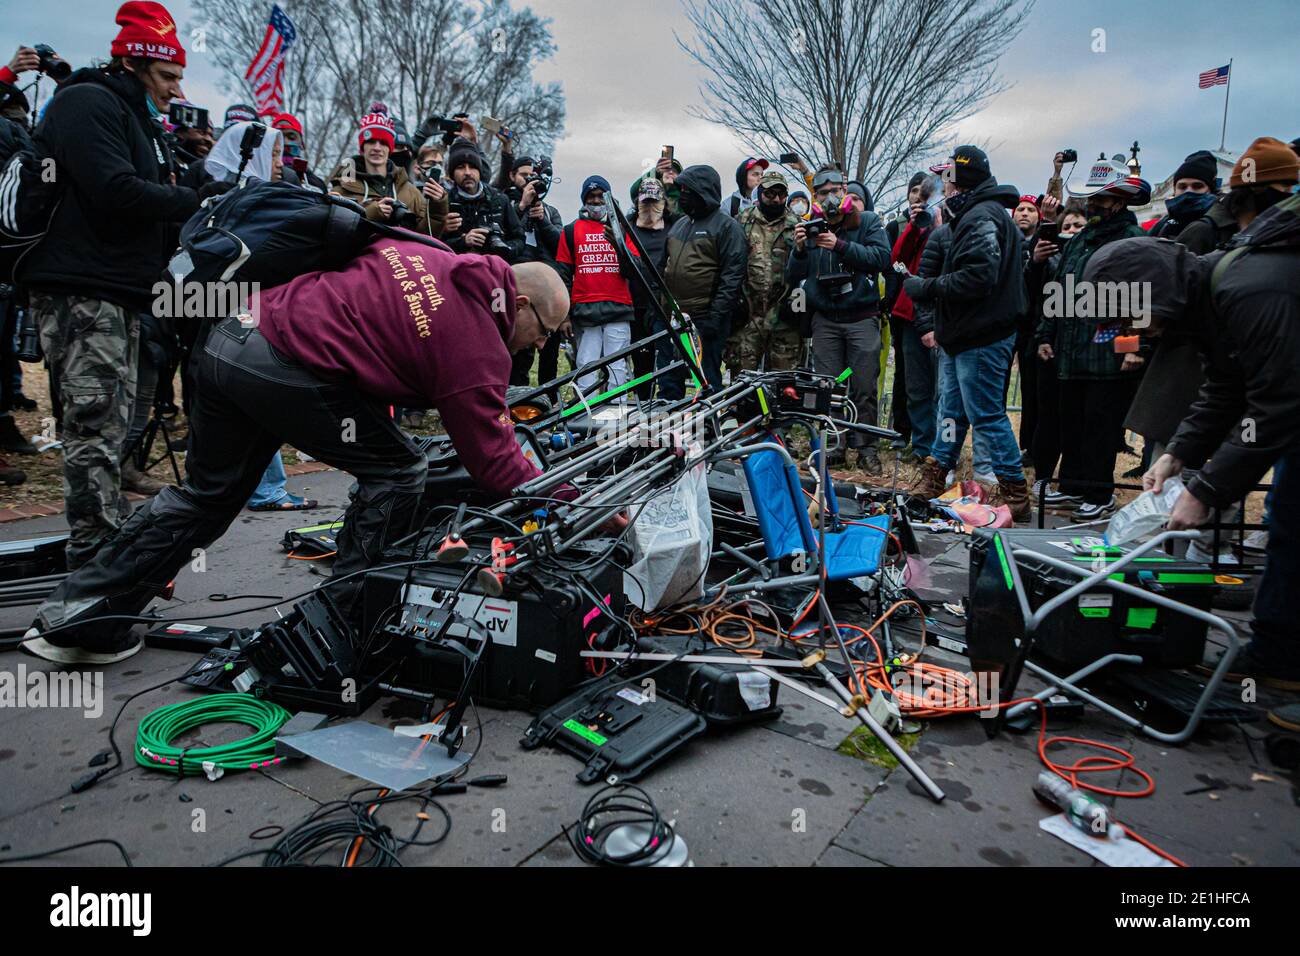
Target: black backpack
[271, 232]
[28, 197]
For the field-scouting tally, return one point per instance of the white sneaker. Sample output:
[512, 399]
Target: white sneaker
[1256, 541]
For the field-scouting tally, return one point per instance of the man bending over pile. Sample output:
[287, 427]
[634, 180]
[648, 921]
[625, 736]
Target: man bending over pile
[403, 324]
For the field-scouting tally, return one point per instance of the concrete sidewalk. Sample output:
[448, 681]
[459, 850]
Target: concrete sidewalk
[776, 794]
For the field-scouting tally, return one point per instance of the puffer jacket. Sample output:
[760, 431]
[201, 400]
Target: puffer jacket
[705, 271]
[933, 256]
[980, 293]
[368, 188]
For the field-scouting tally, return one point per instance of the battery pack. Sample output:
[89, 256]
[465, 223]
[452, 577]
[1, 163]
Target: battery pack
[184, 636]
[723, 694]
[615, 729]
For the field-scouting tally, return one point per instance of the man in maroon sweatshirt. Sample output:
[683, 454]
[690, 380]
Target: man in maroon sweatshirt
[328, 352]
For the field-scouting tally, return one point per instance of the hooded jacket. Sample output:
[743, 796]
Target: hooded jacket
[741, 198]
[108, 237]
[706, 263]
[1174, 374]
[980, 294]
[423, 215]
[414, 326]
[1247, 325]
[862, 251]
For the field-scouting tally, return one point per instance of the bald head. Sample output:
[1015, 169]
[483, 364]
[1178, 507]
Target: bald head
[539, 286]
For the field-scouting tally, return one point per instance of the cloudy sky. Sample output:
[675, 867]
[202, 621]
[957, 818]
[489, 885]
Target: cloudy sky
[628, 85]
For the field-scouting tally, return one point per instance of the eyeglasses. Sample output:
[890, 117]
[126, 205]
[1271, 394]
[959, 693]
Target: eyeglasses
[546, 333]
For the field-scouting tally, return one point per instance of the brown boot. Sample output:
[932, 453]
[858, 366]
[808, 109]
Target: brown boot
[1015, 495]
[930, 482]
[133, 479]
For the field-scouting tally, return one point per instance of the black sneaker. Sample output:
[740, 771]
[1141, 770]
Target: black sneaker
[1091, 512]
[56, 636]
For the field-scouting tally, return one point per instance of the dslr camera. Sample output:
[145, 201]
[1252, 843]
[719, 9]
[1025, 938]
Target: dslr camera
[1069, 156]
[51, 64]
[815, 227]
[541, 178]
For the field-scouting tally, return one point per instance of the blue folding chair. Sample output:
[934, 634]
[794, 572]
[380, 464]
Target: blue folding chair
[854, 551]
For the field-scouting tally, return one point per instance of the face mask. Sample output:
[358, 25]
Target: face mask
[799, 207]
[594, 212]
[1189, 206]
[691, 203]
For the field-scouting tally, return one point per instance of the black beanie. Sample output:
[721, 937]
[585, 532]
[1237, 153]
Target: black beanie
[1199, 165]
[462, 151]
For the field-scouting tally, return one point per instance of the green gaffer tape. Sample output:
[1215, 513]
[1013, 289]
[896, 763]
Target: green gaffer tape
[574, 727]
[616, 390]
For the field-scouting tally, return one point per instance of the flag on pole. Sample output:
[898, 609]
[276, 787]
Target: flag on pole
[1215, 77]
[266, 73]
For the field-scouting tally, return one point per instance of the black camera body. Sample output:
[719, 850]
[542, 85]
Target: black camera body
[193, 117]
[1069, 156]
[815, 227]
[400, 212]
[541, 178]
[51, 64]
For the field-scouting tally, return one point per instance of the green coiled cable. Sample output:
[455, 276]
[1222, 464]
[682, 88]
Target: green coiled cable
[154, 736]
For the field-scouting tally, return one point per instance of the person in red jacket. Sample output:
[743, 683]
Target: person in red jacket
[602, 310]
[918, 355]
[403, 323]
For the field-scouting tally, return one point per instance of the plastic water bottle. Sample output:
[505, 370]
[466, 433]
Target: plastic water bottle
[1146, 513]
[1084, 812]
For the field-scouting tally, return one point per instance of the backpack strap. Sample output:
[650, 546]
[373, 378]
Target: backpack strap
[569, 240]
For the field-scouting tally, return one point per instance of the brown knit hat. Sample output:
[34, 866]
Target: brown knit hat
[1267, 160]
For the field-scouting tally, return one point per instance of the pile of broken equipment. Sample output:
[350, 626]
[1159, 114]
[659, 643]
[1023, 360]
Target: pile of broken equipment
[698, 572]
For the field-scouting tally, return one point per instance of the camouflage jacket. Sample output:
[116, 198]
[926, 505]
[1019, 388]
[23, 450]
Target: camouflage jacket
[769, 244]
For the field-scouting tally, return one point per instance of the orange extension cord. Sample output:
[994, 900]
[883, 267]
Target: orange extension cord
[936, 691]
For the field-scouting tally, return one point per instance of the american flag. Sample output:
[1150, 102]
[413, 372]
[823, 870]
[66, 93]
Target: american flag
[266, 73]
[1215, 77]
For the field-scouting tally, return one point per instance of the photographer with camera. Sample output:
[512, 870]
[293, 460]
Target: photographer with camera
[529, 182]
[382, 188]
[840, 252]
[192, 132]
[488, 223]
[95, 269]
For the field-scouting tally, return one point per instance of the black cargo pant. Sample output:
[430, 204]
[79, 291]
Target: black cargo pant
[250, 400]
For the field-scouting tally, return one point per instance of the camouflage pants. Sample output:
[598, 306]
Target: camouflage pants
[92, 347]
[763, 339]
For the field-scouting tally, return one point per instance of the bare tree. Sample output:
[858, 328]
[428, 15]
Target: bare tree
[874, 85]
[420, 57]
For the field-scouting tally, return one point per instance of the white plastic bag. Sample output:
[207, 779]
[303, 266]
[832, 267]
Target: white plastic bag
[672, 539]
[1146, 513]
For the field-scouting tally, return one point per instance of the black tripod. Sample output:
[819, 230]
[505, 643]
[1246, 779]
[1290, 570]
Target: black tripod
[142, 448]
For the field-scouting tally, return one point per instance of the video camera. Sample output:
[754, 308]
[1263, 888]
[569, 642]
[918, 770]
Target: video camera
[193, 117]
[51, 64]
[541, 178]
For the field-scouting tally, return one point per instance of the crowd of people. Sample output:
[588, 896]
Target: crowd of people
[966, 280]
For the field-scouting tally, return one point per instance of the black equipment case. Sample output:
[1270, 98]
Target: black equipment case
[614, 728]
[539, 626]
[1101, 620]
